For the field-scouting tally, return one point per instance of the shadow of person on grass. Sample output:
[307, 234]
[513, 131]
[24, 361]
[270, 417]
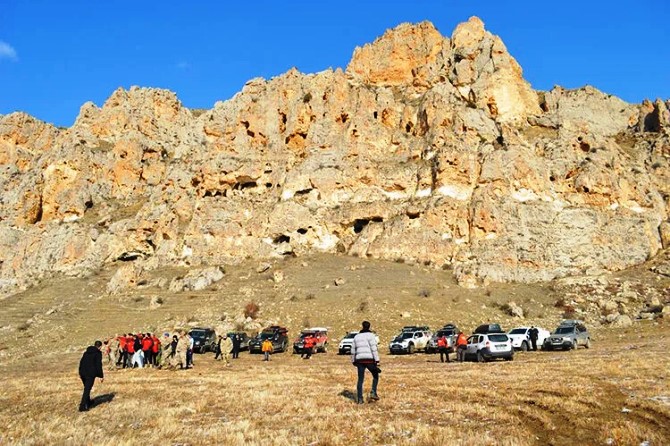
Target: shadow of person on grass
[348, 394]
[102, 399]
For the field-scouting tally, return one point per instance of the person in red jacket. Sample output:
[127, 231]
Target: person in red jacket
[308, 344]
[155, 349]
[147, 345]
[130, 350]
[443, 348]
[461, 345]
[123, 357]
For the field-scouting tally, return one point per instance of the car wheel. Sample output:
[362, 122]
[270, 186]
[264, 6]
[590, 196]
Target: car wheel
[480, 357]
[524, 346]
[410, 349]
[588, 343]
[325, 348]
[509, 358]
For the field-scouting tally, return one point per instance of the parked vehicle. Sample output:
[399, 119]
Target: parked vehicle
[410, 341]
[348, 341]
[320, 334]
[485, 347]
[415, 328]
[488, 328]
[450, 331]
[521, 338]
[204, 340]
[569, 335]
[244, 339]
[276, 334]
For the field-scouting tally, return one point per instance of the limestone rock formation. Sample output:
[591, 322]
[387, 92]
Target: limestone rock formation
[426, 148]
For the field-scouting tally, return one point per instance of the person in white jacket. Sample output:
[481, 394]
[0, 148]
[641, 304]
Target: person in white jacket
[364, 355]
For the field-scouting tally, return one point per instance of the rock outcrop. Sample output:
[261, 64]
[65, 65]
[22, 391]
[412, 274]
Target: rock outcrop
[426, 148]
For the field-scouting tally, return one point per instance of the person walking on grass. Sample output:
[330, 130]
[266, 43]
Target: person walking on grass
[226, 348]
[90, 367]
[267, 349]
[365, 356]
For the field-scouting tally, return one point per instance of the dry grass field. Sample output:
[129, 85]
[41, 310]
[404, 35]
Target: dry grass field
[618, 392]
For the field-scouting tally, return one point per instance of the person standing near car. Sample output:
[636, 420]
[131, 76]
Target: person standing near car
[461, 345]
[90, 367]
[217, 349]
[442, 348]
[533, 334]
[365, 356]
[236, 345]
[267, 348]
[308, 344]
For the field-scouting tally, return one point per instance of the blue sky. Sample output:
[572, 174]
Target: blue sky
[56, 55]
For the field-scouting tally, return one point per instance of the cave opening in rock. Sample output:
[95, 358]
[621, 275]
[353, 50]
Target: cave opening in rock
[281, 239]
[413, 214]
[361, 223]
[302, 231]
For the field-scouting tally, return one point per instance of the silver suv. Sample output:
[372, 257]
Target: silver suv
[569, 335]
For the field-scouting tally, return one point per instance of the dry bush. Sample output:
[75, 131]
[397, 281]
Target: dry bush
[310, 296]
[363, 306]
[294, 298]
[23, 326]
[423, 293]
[251, 310]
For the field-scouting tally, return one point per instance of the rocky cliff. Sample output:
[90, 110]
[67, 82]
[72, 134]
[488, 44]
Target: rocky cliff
[426, 148]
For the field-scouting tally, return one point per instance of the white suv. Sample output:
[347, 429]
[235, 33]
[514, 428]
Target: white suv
[520, 337]
[410, 341]
[484, 347]
[348, 341]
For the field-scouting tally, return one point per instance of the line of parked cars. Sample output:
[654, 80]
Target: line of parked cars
[490, 341]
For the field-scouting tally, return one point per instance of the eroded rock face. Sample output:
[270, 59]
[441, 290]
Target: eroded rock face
[426, 148]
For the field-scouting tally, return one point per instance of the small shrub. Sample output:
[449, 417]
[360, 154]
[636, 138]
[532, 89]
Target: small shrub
[251, 310]
[310, 296]
[307, 97]
[399, 260]
[488, 293]
[363, 306]
[138, 299]
[23, 326]
[293, 298]
[424, 293]
[160, 301]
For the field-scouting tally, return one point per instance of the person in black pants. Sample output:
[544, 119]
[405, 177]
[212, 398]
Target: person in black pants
[533, 334]
[90, 367]
[236, 346]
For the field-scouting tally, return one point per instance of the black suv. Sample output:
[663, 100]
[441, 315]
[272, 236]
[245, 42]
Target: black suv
[276, 334]
[204, 340]
[488, 328]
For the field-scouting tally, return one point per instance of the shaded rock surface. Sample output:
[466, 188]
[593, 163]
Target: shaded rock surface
[426, 148]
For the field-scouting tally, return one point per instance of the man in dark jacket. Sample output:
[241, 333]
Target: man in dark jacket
[236, 345]
[533, 334]
[90, 367]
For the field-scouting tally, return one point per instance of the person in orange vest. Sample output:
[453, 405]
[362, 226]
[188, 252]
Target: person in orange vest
[147, 344]
[266, 348]
[155, 349]
[461, 344]
[442, 347]
[308, 344]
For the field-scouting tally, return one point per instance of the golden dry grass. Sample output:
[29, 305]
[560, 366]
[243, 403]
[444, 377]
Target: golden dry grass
[559, 398]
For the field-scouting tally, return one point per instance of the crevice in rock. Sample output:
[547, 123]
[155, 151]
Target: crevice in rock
[361, 223]
[281, 239]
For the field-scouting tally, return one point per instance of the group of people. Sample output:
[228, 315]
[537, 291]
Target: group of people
[443, 347]
[148, 350]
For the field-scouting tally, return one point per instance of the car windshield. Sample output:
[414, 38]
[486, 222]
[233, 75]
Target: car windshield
[444, 333]
[197, 334]
[518, 331]
[564, 330]
[498, 338]
[407, 336]
[267, 335]
[350, 336]
[306, 335]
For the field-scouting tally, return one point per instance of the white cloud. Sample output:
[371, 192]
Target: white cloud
[7, 51]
